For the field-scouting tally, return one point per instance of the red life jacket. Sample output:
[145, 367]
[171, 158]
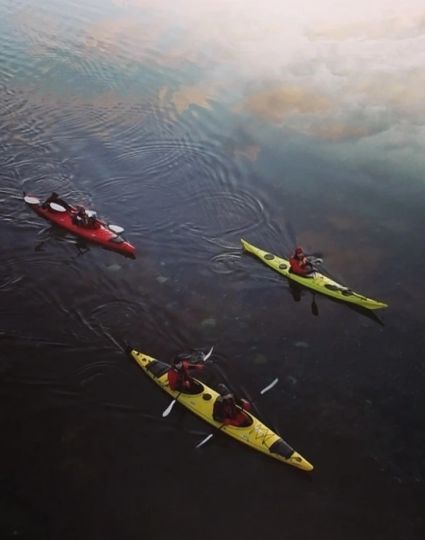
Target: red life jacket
[226, 412]
[298, 267]
[176, 378]
[228, 408]
[179, 378]
[223, 409]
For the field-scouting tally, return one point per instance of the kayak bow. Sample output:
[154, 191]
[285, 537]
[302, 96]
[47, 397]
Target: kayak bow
[256, 435]
[101, 234]
[317, 282]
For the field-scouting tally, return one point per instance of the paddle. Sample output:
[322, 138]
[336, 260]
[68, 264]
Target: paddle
[314, 262]
[262, 392]
[203, 358]
[117, 229]
[57, 207]
[269, 387]
[31, 200]
[314, 307]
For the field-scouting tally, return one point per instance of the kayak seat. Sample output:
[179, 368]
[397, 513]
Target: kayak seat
[308, 276]
[242, 420]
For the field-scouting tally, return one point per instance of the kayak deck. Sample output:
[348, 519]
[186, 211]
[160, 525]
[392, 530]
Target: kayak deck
[256, 435]
[101, 234]
[317, 282]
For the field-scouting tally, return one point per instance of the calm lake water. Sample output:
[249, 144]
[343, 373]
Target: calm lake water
[193, 124]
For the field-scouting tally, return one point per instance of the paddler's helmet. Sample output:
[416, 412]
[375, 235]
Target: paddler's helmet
[178, 359]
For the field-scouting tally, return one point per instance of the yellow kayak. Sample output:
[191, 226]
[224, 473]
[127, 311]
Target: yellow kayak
[256, 435]
[318, 282]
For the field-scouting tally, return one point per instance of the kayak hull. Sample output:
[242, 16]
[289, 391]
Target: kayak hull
[101, 235]
[256, 435]
[318, 282]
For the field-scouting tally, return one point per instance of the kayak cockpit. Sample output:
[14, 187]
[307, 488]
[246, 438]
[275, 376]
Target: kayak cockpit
[158, 369]
[281, 448]
[243, 420]
[195, 388]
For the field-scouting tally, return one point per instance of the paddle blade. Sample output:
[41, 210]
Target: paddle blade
[31, 200]
[168, 409]
[57, 207]
[204, 440]
[269, 387]
[209, 353]
[117, 229]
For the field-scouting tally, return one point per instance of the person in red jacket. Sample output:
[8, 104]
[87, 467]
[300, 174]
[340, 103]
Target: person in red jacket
[300, 264]
[178, 375]
[228, 412]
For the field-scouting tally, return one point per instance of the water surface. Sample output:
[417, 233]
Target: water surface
[193, 125]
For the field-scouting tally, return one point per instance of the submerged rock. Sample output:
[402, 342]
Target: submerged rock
[302, 344]
[260, 359]
[162, 279]
[210, 323]
[292, 380]
[114, 267]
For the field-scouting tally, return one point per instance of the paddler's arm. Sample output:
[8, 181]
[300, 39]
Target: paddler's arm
[189, 365]
[244, 404]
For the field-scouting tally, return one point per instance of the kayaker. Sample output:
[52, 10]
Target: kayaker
[229, 412]
[178, 375]
[81, 218]
[93, 222]
[300, 264]
[54, 197]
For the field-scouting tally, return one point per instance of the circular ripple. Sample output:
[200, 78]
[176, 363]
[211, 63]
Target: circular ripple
[225, 263]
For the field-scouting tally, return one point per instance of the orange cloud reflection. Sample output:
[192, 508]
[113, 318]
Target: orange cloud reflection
[275, 104]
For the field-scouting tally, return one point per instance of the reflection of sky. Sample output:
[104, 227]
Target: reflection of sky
[348, 72]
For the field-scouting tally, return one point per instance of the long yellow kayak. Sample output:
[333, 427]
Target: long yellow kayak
[317, 282]
[256, 435]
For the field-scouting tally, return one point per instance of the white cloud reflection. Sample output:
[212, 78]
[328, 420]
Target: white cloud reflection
[337, 70]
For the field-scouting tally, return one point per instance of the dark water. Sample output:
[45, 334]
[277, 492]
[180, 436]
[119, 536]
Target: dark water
[193, 126]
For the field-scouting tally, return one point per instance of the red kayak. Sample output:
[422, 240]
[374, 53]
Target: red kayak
[81, 222]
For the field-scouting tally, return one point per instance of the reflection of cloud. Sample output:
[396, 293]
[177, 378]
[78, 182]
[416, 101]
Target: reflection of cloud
[341, 71]
[250, 151]
[186, 97]
[275, 104]
[111, 36]
[38, 26]
[340, 131]
[356, 107]
[401, 93]
[400, 26]
[154, 40]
